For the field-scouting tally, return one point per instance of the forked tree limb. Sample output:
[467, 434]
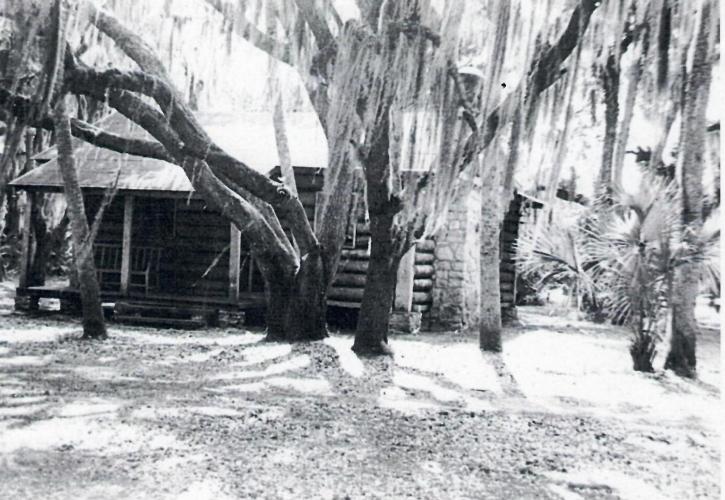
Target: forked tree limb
[195, 139]
[544, 72]
[19, 107]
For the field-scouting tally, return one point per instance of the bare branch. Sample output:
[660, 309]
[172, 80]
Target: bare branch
[248, 31]
[318, 25]
[545, 71]
[19, 107]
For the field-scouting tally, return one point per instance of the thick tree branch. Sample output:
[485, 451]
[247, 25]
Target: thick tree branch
[545, 71]
[133, 45]
[19, 107]
[179, 118]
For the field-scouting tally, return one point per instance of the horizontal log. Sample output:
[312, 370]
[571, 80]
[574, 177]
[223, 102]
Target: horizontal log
[423, 284]
[354, 266]
[424, 271]
[355, 254]
[425, 246]
[424, 258]
[507, 286]
[362, 241]
[422, 298]
[345, 293]
[350, 279]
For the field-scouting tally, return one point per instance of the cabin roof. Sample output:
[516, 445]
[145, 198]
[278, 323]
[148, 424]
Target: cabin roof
[248, 137]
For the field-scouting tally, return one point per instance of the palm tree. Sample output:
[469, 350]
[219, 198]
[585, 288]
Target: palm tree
[556, 252]
[634, 255]
[626, 260]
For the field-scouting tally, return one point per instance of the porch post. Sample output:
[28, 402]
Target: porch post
[126, 243]
[235, 248]
[404, 283]
[403, 319]
[26, 241]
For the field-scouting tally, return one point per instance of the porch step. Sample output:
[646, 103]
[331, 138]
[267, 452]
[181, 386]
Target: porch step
[173, 315]
[179, 323]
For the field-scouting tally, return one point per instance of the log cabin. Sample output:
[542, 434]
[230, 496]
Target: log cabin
[163, 257]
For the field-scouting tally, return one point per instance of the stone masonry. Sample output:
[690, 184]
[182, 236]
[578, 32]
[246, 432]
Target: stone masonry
[456, 283]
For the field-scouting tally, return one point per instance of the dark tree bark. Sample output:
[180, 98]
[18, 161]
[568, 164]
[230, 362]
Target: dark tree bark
[386, 251]
[371, 337]
[610, 84]
[681, 357]
[489, 332]
[94, 326]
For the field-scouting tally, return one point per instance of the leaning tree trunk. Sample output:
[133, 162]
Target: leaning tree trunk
[681, 357]
[371, 337]
[94, 326]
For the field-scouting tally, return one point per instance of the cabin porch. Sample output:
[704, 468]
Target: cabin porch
[160, 257]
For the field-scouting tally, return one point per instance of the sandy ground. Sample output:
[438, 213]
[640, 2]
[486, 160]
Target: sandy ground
[221, 414]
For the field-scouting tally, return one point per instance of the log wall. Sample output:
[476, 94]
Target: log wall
[349, 284]
[507, 255]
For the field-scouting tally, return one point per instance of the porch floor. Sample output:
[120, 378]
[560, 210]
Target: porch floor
[246, 300]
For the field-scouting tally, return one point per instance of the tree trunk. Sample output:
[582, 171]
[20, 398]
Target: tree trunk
[307, 310]
[489, 337]
[386, 250]
[94, 326]
[297, 304]
[610, 84]
[681, 356]
[39, 241]
[371, 337]
[620, 146]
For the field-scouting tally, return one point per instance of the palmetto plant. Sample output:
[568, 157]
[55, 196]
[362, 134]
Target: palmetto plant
[623, 258]
[635, 251]
[556, 253]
